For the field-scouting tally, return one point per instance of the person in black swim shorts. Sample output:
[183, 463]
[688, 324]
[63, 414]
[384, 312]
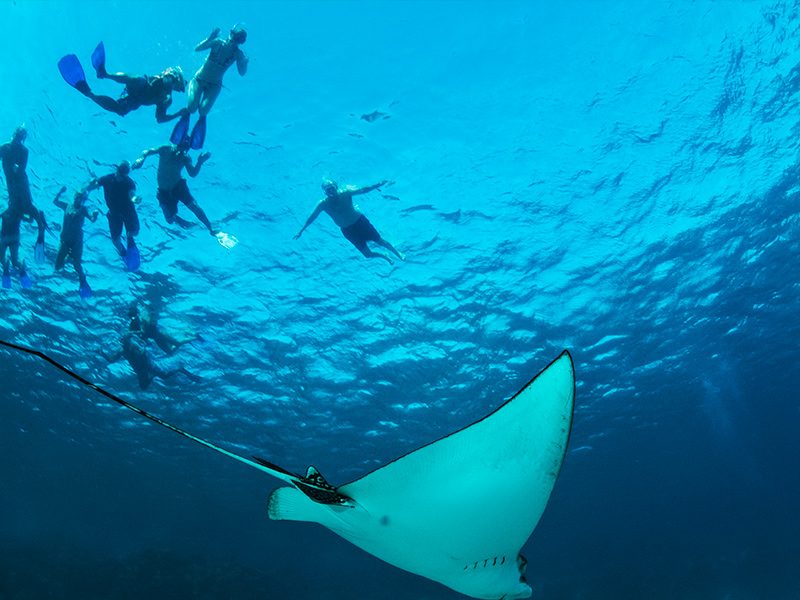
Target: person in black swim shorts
[119, 190]
[338, 203]
[172, 188]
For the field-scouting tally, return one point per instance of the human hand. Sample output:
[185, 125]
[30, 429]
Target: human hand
[204, 157]
[63, 189]
[137, 163]
[214, 33]
[297, 235]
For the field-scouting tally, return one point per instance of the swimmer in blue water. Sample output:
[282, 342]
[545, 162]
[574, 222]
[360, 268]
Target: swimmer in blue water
[14, 155]
[140, 90]
[172, 187]
[72, 235]
[338, 203]
[10, 222]
[205, 86]
[134, 349]
[120, 194]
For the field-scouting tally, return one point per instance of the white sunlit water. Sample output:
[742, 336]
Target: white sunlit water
[618, 179]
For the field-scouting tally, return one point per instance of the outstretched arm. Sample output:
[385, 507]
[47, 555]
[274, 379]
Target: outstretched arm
[193, 170]
[319, 208]
[60, 203]
[209, 42]
[149, 152]
[161, 111]
[368, 188]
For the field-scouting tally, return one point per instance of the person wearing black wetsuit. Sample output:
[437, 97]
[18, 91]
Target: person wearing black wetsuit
[119, 190]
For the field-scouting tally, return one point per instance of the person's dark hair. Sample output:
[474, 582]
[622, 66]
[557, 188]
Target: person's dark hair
[124, 167]
[238, 34]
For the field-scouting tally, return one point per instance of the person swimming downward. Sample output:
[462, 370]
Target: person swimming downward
[173, 158]
[140, 90]
[205, 86]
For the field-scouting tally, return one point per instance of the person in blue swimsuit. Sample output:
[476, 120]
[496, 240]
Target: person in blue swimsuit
[338, 203]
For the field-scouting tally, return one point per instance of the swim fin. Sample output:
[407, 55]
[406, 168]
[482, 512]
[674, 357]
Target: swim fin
[84, 290]
[6, 277]
[38, 251]
[71, 70]
[99, 60]
[24, 280]
[132, 258]
[198, 136]
[226, 240]
[180, 130]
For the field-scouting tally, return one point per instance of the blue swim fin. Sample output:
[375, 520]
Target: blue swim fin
[198, 136]
[71, 70]
[84, 290]
[38, 251]
[132, 258]
[24, 280]
[6, 277]
[180, 130]
[99, 60]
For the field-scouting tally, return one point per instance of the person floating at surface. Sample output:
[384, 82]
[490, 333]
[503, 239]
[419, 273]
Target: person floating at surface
[119, 191]
[134, 350]
[10, 221]
[72, 236]
[14, 156]
[145, 319]
[205, 86]
[338, 203]
[143, 90]
[172, 188]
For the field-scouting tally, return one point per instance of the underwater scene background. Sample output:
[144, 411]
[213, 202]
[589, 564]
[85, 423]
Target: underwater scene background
[615, 178]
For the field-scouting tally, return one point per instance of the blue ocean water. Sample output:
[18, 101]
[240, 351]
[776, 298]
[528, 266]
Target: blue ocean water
[616, 178]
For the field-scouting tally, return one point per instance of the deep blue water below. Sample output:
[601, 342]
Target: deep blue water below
[616, 178]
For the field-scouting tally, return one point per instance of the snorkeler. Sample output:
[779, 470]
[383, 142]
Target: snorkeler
[206, 84]
[134, 350]
[144, 318]
[9, 240]
[144, 90]
[172, 188]
[72, 235]
[14, 156]
[338, 203]
[119, 190]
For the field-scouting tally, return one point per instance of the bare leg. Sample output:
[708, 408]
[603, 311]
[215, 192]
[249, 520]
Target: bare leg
[193, 93]
[210, 94]
[370, 254]
[166, 374]
[200, 214]
[388, 246]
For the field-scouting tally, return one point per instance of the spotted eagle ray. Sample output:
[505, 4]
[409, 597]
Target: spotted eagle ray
[456, 511]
